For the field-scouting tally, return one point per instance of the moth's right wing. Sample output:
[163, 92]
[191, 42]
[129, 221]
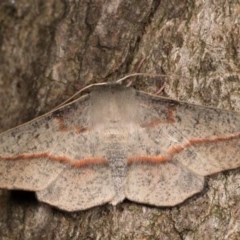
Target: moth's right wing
[179, 144]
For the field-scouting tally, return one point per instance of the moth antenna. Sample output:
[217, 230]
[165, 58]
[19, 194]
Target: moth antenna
[118, 81]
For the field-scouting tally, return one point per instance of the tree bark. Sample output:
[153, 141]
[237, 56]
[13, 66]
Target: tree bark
[51, 49]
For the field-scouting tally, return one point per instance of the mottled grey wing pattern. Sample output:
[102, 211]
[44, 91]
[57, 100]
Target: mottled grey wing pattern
[54, 155]
[118, 143]
[183, 143]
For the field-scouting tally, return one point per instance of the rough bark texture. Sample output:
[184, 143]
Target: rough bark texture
[50, 49]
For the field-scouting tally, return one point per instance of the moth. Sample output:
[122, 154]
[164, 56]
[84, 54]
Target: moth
[116, 143]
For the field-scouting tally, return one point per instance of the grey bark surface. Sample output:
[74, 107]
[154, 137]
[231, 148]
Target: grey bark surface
[51, 49]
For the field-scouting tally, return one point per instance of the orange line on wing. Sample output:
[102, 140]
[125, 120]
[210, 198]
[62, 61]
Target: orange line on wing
[62, 126]
[171, 115]
[62, 159]
[90, 161]
[170, 119]
[80, 129]
[175, 149]
[148, 159]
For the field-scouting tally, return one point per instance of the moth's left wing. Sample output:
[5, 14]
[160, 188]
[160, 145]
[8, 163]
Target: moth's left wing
[55, 156]
[178, 145]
